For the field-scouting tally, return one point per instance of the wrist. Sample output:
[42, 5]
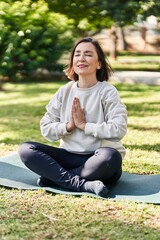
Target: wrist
[82, 126]
[69, 127]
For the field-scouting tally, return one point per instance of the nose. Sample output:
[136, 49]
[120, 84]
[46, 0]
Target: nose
[81, 57]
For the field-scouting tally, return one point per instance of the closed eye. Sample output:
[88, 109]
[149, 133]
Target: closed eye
[87, 53]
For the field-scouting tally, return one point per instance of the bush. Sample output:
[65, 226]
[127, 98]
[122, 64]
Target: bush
[31, 37]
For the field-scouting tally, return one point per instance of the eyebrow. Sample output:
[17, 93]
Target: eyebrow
[87, 51]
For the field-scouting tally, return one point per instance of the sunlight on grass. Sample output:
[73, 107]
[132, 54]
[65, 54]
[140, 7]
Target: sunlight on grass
[66, 217]
[23, 105]
[21, 108]
[147, 62]
[142, 139]
[40, 215]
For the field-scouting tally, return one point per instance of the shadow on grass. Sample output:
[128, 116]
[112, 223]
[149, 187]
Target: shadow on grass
[30, 108]
[33, 88]
[146, 147]
[143, 109]
[137, 88]
[143, 129]
[20, 122]
[21, 110]
[108, 222]
[26, 116]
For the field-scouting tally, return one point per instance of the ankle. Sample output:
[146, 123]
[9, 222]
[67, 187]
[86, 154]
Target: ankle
[97, 187]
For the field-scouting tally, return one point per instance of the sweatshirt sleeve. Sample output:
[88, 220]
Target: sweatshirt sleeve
[114, 126]
[51, 126]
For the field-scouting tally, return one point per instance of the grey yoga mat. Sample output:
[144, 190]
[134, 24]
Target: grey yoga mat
[134, 187]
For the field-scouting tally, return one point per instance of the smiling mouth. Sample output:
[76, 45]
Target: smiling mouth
[82, 65]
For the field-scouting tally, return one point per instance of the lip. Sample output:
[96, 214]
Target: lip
[81, 65]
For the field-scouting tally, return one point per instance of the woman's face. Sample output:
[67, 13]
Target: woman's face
[85, 60]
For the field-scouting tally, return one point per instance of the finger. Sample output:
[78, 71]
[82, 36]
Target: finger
[73, 110]
[76, 101]
[75, 107]
[78, 105]
[82, 111]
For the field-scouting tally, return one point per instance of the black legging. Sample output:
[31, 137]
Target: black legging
[71, 170]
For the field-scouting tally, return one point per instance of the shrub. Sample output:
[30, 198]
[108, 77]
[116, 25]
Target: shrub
[31, 37]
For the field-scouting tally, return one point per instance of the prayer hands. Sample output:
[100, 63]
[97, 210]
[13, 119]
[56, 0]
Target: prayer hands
[77, 117]
[78, 114]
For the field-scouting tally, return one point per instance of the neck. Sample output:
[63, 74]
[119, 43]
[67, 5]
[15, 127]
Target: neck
[86, 83]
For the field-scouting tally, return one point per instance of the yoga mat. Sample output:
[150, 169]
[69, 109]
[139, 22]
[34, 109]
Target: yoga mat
[134, 187]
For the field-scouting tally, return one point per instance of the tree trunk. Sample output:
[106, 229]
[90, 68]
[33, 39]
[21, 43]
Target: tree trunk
[143, 31]
[123, 41]
[113, 43]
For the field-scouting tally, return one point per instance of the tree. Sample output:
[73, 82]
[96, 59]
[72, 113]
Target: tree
[92, 16]
[150, 7]
[31, 36]
[88, 16]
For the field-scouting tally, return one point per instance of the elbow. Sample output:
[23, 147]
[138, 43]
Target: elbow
[44, 127]
[44, 133]
[122, 128]
[118, 131]
[121, 132]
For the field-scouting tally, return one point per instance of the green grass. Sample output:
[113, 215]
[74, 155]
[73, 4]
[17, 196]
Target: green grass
[135, 61]
[39, 215]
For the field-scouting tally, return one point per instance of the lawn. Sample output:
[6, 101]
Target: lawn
[39, 215]
[134, 61]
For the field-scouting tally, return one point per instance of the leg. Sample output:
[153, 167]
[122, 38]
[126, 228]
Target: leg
[105, 165]
[38, 158]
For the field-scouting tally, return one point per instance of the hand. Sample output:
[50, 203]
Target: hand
[70, 126]
[78, 114]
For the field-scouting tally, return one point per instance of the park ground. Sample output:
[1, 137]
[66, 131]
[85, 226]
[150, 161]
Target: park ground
[40, 215]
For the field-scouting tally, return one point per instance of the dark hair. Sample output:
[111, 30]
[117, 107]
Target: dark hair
[102, 74]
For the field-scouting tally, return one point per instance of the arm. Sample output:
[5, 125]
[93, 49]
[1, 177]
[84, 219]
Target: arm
[51, 126]
[114, 126]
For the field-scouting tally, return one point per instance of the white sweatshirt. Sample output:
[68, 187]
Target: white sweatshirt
[106, 118]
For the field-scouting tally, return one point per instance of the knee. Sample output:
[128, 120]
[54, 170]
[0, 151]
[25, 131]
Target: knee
[24, 151]
[110, 155]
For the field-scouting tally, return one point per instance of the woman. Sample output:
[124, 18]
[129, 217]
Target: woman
[88, 117]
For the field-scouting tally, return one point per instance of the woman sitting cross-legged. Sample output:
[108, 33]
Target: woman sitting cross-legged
[88, 117]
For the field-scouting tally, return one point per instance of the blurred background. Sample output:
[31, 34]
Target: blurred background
[36, 36]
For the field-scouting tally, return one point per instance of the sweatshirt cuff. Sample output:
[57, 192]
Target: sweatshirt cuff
[91, 129]
[63, 130]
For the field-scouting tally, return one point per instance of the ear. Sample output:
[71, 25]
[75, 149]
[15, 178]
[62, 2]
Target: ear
[99, 66]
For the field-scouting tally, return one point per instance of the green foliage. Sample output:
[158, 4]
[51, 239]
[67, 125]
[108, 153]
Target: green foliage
[95, 15]
[92, 16]
[150, 7]
[34, 34]
[31, 36]
[88, 16]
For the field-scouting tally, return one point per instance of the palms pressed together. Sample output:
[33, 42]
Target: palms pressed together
[77, 119]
